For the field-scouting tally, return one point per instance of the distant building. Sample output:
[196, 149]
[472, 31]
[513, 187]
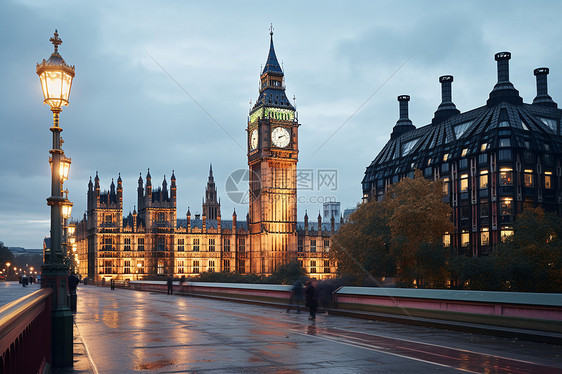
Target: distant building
[331, 209]
[18, 251]
[347, 212]
[154, 241]
[495, 160]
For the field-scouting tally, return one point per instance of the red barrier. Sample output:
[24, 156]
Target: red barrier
[25, 334]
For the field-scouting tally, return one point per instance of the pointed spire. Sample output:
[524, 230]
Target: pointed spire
[164, 184]
[188, 212]
[272, 65]
[90, 184]
[119, 180]
[234, 213]
[97, 181]
[148, 179]
[173, 177]
[140, 179]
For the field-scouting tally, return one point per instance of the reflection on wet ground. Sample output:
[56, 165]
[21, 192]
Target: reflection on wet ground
[151, 332]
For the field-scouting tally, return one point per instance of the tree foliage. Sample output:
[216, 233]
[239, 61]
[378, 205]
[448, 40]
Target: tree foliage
[529, 261]
[5, 256]
[532, 257]
[401, 235]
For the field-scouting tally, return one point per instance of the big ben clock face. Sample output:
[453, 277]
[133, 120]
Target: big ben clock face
[254, 139]
[280, 137]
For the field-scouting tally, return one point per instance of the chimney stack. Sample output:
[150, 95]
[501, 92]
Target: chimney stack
[403, 100]
[503, 90]
[542, 89]
[447, 108]
[446, 94]
[503, 66]
[404, 124]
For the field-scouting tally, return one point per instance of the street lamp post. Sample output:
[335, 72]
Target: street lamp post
[56, 80]
[8, 270]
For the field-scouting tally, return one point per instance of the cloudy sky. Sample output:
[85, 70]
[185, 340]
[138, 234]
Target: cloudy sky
[166, 85]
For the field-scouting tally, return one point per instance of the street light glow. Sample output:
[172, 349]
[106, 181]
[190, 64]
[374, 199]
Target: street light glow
[56, 77]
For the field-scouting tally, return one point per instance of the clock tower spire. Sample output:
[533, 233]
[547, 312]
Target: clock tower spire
[272, 160]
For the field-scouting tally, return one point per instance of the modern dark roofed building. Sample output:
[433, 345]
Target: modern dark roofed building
[495, 160]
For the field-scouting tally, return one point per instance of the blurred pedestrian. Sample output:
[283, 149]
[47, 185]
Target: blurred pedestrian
[324, 291]
[297, 293]
[73, 281]
[170, 284]
[311, 298]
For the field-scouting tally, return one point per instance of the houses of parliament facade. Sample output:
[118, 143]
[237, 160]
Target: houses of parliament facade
[155, 241]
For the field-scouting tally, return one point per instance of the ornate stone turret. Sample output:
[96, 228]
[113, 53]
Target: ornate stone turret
[188, 220]
[120, 191]
[234, 221]
[211, 206]
[173, 188]
[148, 197]
[134, 219]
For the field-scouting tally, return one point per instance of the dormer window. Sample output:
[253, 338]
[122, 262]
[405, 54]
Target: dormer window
[551, 123]
[464, 152]
[461, 128]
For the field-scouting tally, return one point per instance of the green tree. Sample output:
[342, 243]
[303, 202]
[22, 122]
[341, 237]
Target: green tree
[532, 257]
[419, 219]
[361, 246]
[287, 273]
[5, 256]
[479, 273]
[401, 234]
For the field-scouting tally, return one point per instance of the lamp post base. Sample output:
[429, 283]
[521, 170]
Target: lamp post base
[55, 276]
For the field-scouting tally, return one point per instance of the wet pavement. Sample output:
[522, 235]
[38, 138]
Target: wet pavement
[12, 290]
[124, 331]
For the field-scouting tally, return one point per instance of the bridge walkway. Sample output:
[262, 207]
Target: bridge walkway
[132, 331]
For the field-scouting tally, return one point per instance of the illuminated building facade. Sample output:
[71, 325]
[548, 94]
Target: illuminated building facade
[495, 160]
[272, 159]
[154, 241]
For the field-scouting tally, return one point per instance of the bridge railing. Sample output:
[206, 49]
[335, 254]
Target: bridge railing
[25, 334]
[533, 311]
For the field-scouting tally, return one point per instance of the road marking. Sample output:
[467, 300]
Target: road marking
[92, 364]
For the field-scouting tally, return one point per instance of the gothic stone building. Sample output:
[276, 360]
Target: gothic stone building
[494, 160]
[155, 241]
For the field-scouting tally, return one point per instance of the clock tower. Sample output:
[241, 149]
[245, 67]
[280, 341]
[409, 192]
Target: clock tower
[272, 159]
